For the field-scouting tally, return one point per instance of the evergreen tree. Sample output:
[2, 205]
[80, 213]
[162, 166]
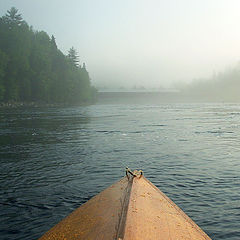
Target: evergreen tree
[12, 16]
[73, 56]
[53, 41]
[32, 68]
[3, 64]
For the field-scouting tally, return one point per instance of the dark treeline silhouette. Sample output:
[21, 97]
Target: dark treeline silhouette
[33, 69]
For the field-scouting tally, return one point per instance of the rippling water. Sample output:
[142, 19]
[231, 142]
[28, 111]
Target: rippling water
[55, 159]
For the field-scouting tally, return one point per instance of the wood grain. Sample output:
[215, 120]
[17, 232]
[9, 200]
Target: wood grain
[152, 215]
[127, 210]
[96, 219]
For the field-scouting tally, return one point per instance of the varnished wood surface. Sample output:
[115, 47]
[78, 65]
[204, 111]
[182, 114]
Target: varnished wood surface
[96, 219]
[149, 215]
[153, 216]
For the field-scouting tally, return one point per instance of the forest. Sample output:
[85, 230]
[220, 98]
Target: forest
[33, 68]
[221, 87]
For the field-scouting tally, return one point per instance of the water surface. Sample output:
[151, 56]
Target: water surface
[53, 160]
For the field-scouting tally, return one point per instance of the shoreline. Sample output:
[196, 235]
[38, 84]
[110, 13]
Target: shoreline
[11, 105]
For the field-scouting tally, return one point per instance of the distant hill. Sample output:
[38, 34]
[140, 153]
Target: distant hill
[224, 86]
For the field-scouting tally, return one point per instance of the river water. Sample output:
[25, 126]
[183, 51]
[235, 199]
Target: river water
[54, 159]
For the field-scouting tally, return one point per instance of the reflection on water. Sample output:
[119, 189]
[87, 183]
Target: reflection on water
[53, 160]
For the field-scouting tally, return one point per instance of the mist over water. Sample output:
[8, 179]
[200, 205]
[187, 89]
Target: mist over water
[55, 159]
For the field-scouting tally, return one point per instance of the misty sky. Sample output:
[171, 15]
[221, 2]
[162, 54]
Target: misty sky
[147, 43]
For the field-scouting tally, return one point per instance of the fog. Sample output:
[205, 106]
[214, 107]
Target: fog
[141, 43]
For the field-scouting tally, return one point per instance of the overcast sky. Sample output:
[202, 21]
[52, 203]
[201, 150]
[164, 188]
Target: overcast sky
[141, 42]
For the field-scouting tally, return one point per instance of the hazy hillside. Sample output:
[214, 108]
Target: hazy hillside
[224, 86]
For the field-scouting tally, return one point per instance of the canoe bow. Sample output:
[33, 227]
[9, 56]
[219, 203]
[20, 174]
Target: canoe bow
[131, 209]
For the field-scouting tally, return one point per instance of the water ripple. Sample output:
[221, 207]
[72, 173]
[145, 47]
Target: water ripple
[55, 159]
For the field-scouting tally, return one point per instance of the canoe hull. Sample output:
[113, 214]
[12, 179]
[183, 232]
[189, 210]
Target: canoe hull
[152, 215]
[130, 209]
[96, 219]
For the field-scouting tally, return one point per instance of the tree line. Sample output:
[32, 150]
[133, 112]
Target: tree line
[33, 69]
[221, 87]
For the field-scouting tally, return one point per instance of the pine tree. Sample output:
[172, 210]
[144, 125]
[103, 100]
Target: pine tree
[12, 16]
[73, 56]
[32, 68]
[53, 41]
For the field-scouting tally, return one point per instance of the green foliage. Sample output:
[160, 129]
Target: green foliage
[3, 65]
[12, 17]
[32, 68]
[73, 56]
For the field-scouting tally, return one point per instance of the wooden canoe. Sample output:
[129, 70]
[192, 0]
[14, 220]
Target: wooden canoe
[131, 209]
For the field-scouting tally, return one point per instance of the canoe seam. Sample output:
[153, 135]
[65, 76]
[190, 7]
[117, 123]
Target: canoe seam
[123, 214]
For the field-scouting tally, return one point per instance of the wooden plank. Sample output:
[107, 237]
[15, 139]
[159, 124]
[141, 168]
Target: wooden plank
[152, 215]
[96, 219]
